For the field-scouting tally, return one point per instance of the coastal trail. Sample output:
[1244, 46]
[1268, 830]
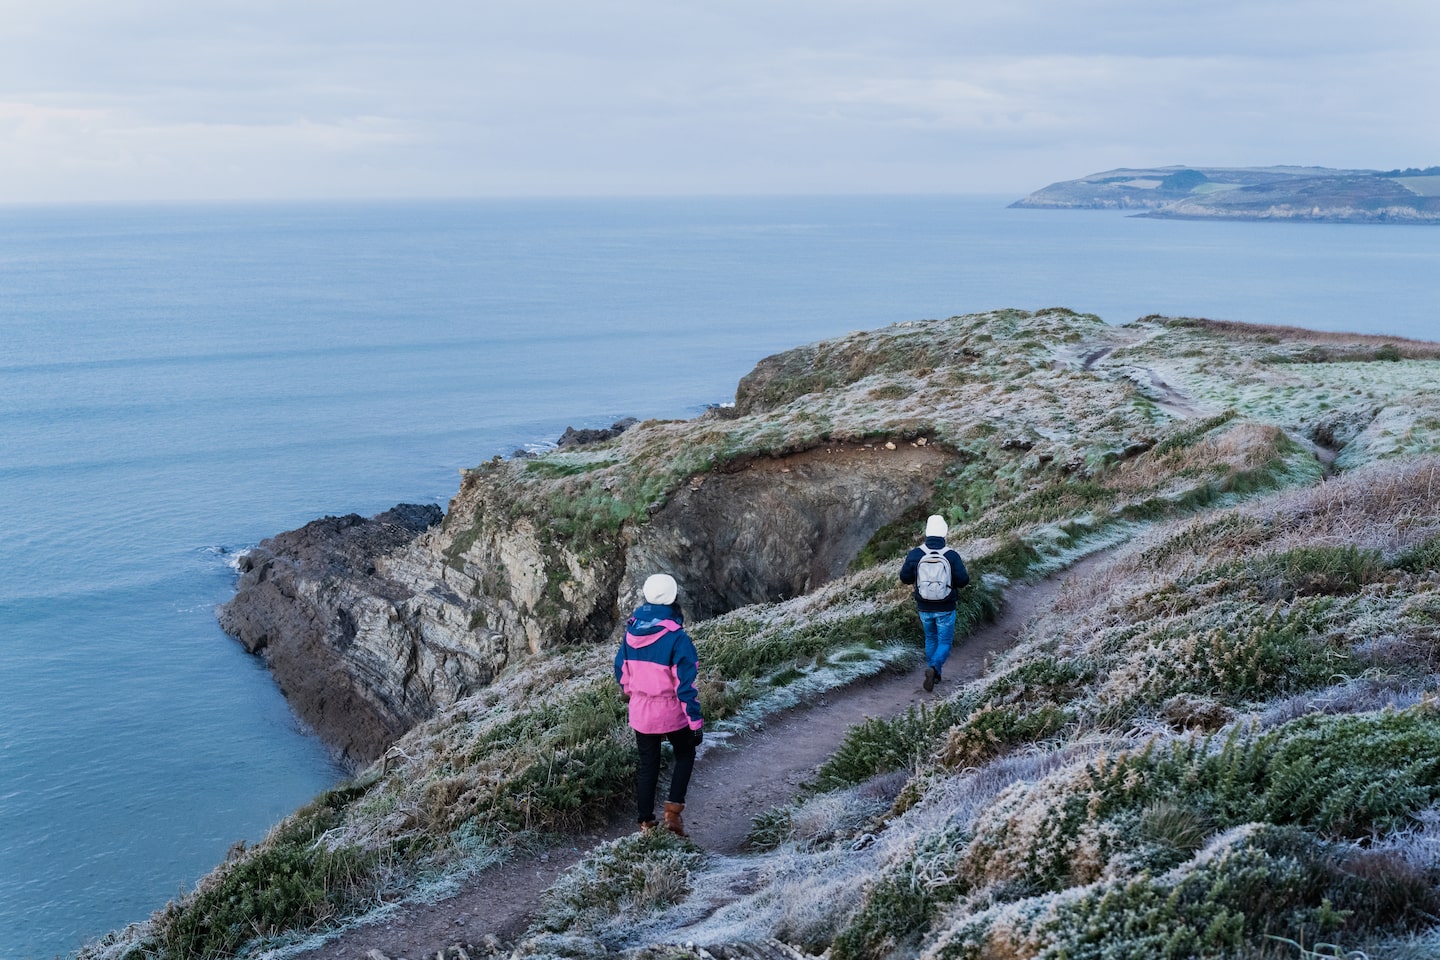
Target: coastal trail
[734, 781]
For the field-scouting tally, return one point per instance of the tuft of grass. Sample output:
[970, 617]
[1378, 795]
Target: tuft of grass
[294, 880]
[1420, 559]
[1255, 881]
[901, 904]
[629, 877]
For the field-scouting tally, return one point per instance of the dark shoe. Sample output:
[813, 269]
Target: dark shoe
[673, 823]
[930, 678]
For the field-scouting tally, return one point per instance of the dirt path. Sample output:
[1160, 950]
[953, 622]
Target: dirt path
[733, 782]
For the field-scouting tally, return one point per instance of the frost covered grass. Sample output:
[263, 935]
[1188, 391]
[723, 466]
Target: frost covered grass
[1220, 743]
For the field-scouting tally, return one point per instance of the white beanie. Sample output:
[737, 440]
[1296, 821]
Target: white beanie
[935, 526]
[660, 588]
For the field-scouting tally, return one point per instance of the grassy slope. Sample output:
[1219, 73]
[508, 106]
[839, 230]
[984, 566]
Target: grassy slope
[1074, 789]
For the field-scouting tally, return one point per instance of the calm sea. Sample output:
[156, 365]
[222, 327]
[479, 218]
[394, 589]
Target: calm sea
[177, 383]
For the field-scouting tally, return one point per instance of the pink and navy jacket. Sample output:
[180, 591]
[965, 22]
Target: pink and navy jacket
[656, 667]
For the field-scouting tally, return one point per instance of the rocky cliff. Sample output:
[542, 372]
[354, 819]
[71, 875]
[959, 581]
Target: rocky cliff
[310, 600]
[371, 625]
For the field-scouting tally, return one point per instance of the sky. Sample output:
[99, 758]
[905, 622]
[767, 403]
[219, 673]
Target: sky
[155, 100]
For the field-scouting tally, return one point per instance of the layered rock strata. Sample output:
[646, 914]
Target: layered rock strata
[308, 601]
[370, 626]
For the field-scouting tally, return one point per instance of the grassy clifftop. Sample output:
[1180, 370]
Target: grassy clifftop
[1220, 744]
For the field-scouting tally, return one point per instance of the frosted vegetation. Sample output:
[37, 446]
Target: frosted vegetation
[1225, 742]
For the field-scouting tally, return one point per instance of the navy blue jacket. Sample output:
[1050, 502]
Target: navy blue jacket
[959, 576]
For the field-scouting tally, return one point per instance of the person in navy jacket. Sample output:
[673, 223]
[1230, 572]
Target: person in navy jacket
[937, 611]
[656, 667]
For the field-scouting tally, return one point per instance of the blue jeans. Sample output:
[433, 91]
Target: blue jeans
[939, 636]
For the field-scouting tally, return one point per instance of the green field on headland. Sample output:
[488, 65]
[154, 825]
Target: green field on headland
[1253, 193]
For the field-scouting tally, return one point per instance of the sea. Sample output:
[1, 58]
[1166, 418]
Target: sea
[179, 382]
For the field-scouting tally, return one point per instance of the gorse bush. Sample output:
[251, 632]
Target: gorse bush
[271, 889]
[644, 871]
[1020, 705]
[573, 789]
[990, 730]
[1231, 649]
[1344, 778]
[292, 881]
[900, 905]
[1421, 559]
[1309, 571]
[881, 744]
[1259, 880]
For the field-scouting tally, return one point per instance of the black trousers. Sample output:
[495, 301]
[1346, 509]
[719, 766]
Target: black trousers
[647, 778]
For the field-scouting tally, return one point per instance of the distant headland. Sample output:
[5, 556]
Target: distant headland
[1253, 193]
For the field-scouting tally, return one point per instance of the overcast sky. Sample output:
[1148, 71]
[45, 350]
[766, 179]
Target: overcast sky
[198, 99]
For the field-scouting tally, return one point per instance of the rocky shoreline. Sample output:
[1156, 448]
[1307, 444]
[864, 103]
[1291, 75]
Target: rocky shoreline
[292, 607]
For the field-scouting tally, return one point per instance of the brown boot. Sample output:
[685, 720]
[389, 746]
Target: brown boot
[647, 825]
[673, 823]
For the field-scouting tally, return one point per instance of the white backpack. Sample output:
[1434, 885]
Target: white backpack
[933, 579]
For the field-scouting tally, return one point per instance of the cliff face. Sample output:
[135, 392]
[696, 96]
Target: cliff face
[778, 528]
[309, 602]
[370, 626]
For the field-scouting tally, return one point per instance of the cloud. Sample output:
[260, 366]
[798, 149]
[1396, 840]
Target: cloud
[202, 99]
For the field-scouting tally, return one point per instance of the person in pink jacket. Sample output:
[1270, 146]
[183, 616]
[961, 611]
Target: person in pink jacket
[656, 667]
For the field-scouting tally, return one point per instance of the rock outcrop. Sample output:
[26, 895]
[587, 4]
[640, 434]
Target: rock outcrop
[779, 528]
[370, 626]
[307, 601]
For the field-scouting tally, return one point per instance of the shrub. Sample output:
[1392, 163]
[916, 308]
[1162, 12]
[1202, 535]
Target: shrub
[285, 886]
[990, 730]
[1313, 571]
[1343, 777]
[1231, 900]
[881, 744]
[573, 789]
[643, 872]
[900, 905]
[1420, 559]
[1256, 881]
[1232, 650]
